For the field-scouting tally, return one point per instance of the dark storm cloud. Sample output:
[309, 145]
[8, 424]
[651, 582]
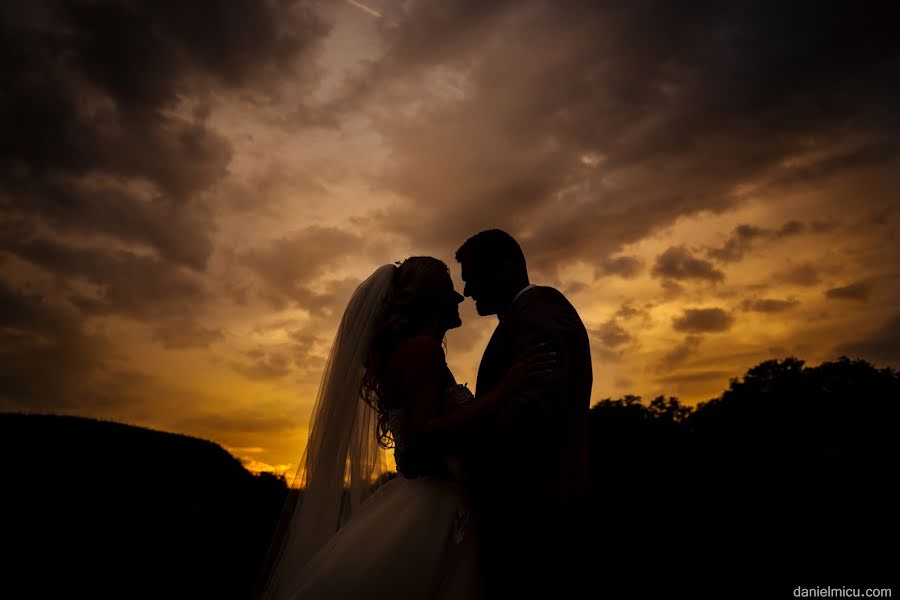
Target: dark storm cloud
[861, 290]
[610, 334]
[583, 126]
[93, 141]
[47, 358]
[628, 312]
[871, 153]
[290, 267]
[678, 263]
[264, 365]
[181, 334]
[743, 238]
[737, 244]
[806, 275]
[180, 234]
[75, 71]
[699, 320]
[303, 355]
[125, 283]
[680, 353]
[790, 228]
[881, 346]
[768, 305]
[96, 282]
[623, 266]
[308, 350]
[105, 157]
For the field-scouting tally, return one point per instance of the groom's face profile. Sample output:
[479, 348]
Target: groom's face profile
[480, 286]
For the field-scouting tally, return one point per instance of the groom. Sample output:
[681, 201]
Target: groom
[527, 468]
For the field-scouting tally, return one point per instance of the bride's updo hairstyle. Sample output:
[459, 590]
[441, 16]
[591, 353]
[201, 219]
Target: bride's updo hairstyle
[419, 285]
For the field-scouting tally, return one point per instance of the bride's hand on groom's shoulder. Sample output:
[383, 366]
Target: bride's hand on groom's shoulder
[532, 368]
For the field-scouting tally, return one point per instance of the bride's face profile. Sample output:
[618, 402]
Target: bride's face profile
[448, 307]
[425, 294]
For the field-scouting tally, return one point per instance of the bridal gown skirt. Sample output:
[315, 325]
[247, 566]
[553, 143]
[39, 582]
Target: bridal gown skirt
[409, 540]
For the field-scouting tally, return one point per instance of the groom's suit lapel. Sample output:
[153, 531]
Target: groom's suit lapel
[487, 369]
[503, 346]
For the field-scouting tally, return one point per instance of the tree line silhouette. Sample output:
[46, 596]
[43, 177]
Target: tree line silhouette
[785, 477]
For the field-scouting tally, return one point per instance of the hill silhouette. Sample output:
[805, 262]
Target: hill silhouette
[785, 479]
[104, 509]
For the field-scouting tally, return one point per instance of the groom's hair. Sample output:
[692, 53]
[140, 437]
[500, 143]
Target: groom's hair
[493, 245]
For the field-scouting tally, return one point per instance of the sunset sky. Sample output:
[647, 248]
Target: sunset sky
[190, 191]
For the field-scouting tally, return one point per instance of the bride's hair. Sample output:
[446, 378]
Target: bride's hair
[411, 302]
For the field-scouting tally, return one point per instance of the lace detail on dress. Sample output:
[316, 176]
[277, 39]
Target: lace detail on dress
[456, 394]
[460, 520]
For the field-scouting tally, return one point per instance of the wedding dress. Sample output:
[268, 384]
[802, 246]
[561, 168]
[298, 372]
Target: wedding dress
[410, 539]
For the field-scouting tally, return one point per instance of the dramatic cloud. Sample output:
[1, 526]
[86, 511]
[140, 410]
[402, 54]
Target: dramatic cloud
[183, 333]
[700, 320]
[682, 352]
[190, 192]
[95, 137]
[107, 160]
[623, 266]
[121, 282]
[860, 290]
[678, 263]
[611, 334]
[47, 358]
[737, 244]
[264, 365]
[291, 265]
[628, 312]
[744, 236]
[103, 112]
[594, 140]
[768, 305]
[805, 275]
[882, 345]
[301, 353]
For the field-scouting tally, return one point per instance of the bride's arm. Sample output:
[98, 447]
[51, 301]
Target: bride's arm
[417, 365]
[422, 378]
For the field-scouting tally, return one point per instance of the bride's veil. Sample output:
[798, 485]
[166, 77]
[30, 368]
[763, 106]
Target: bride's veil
[342, 454]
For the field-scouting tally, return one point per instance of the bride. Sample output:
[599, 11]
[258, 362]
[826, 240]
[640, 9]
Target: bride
[386, 385]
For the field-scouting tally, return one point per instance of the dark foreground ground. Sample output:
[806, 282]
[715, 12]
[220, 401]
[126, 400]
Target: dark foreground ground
[787, 479]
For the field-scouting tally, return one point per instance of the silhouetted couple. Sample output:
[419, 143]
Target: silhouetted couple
[489, 498]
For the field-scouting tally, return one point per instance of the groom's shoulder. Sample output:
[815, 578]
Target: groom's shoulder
[549, 307]
[543, 296]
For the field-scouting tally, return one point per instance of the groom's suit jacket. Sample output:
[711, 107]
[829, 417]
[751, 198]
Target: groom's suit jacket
[530, 467]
